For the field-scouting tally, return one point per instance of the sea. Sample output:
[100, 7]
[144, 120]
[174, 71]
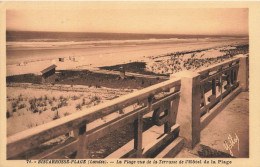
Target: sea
[37, 36]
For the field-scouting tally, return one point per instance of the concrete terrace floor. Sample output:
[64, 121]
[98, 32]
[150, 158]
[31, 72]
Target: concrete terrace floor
[230, 124]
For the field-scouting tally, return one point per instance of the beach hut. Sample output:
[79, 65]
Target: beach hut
[75, 59]
[48, 74]
[61, 59]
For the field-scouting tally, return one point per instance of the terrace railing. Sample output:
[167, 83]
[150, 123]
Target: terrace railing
[196, 96]
[136, 105]
[217, 82]
[204, 93]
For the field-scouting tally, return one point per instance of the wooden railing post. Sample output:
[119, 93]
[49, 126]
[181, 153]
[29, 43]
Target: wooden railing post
[189, 107]
[173, 110]
[82, 152]
[138, 133]
[243, 72]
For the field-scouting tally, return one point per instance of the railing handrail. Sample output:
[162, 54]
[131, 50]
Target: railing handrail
[217, 66]
[32, 137]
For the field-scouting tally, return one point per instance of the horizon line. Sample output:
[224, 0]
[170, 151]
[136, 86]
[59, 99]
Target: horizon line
[129, 33]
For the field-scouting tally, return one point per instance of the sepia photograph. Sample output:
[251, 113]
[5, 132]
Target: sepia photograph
[121, 80]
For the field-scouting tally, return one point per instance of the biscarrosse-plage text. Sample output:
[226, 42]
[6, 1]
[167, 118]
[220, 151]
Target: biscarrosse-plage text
[132, 162]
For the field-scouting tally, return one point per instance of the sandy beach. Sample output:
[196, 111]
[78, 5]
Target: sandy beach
[35, 59]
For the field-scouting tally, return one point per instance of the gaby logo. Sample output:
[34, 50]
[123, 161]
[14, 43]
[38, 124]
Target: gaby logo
[230, 142]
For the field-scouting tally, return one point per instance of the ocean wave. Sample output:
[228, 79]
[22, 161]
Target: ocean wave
[48, 44]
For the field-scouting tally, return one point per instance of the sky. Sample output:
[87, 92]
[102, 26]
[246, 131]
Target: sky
[198, 21]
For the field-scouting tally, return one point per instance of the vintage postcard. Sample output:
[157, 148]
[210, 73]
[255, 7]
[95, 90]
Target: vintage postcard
[161, 83]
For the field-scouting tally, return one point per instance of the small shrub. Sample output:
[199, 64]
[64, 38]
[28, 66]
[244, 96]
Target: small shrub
[32, 101]
[44, 109]
[14, 110]
[54, 108]
[40, 98]
[59, 105]
[75, 97]
[83, 102]
[14, 104]
[45, 97]
[142, 81]
[66, 113]
[65, 99]
[39, 104]
[61, 97]
[62, 103]
[50, 102]
[21, 106]
[44, 103]
[95, 98]
[56, 116]
[121, 111]
[30, 125]
[78, 107]
[35, 110]
[7, 114]
[20, 97]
